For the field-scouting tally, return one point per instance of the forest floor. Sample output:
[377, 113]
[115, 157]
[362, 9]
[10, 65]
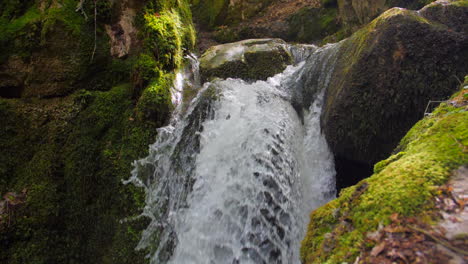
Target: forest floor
[274, 14]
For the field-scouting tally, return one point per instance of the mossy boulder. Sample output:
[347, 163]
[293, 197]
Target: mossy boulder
[254, 59]
[43, 50]
[71, 154]
[403, 186]
[75, 114]
[385, 75]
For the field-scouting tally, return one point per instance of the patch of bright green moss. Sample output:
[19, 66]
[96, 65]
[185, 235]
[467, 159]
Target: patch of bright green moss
[163, 37]
[403, 184]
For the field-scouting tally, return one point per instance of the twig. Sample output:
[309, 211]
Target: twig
[429, 103]
[79, 8]
[95, 30]
[457, 79]
[440, 241]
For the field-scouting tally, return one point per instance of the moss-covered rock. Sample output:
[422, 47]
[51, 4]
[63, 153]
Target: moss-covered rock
[75, 114]
[71, 155]
[385, 75]
[53, 36]
[254, 59]
[403, 185]
[453, 15]
[313, 24]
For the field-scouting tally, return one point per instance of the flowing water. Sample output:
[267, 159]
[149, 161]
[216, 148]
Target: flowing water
[235, 175]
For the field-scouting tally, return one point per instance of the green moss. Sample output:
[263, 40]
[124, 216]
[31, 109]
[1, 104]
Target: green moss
[163, 37]
[146, 68]
[19, 35]
[168, 31]
[66, 15]
[384, 163]
[403, 184]
[462, 3]
[10, 9]
[11, 28]
[155, 103]
[210, 12]
[312, 24]
[224, 34]
[71, 155]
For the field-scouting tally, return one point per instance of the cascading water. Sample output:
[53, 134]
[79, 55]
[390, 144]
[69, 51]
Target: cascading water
[234, 177]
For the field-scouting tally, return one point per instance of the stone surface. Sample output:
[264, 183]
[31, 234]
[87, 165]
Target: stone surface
[255, 59]
[386, 74]
[353, 12]
[452, 15]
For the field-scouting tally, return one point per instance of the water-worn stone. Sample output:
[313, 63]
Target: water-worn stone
[386, 74]
[254, 59]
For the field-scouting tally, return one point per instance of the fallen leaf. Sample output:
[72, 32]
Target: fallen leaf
[394, 217]
[377, 249]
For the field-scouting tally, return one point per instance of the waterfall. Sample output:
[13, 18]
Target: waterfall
[234, 177]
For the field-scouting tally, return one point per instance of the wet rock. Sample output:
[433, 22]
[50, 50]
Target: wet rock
[254, 59]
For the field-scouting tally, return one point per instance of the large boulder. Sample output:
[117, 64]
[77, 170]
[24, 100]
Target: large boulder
[378, 218]
[385, 75]
[253, 59]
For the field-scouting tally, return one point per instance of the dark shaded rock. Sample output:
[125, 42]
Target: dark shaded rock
[254, 59]
[386, 74]
[313, 24]
[453, 15]
[10, 87]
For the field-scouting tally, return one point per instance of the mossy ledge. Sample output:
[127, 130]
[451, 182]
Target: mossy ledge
[403, 184]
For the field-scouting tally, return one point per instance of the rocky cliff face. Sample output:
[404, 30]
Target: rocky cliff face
[83, 88]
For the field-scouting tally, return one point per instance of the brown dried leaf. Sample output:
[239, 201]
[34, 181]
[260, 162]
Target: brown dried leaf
[378, 249]
[394, 217]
